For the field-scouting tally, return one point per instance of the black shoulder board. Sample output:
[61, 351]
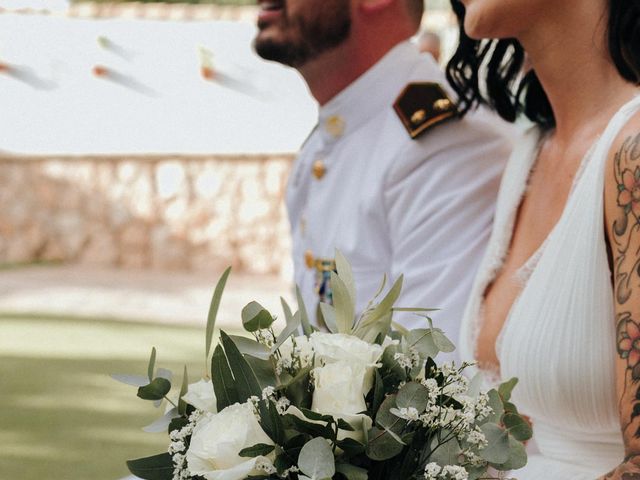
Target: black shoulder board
[422, 106]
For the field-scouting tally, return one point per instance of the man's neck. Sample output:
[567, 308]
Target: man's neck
[335, 70]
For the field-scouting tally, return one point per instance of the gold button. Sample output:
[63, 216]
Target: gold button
[335, 125]
[418, 116]
[303, 225]
[308, 259]
[318, 169]
[442, 105]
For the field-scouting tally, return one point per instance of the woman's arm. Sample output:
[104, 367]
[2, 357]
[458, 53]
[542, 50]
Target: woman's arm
[622, 215]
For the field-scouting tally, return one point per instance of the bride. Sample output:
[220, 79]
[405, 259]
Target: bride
[557, 299]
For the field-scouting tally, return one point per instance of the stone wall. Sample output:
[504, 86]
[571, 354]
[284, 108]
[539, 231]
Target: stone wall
[160, 212]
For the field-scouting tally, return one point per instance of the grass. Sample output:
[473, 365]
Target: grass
[61, 416]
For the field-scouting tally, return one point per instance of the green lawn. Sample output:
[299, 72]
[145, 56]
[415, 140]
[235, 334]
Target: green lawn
[61, 416]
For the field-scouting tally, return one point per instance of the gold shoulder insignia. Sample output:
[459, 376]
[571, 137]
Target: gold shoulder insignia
[422, 106]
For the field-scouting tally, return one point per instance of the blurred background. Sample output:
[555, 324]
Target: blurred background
[143, 148]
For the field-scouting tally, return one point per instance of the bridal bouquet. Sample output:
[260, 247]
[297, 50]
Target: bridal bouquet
[363, 401]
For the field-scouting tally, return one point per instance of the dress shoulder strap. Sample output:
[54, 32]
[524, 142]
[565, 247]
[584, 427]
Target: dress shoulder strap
[616, 124]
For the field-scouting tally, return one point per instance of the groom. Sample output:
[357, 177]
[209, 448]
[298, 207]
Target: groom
[389, 176]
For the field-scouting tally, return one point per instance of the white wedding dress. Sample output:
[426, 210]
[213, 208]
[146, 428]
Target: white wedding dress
[559, 337]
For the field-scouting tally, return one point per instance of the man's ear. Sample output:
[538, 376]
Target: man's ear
[374, 6]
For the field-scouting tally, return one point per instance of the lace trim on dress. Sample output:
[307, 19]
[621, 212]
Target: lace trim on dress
[523, 274]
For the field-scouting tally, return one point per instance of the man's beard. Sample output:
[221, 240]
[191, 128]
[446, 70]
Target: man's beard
[307, 38]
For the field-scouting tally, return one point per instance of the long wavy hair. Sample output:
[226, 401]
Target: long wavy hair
[490, 71]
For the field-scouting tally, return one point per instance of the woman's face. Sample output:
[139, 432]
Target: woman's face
[503, 18]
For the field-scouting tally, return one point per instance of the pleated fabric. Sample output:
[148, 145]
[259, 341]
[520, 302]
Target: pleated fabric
[559, 337]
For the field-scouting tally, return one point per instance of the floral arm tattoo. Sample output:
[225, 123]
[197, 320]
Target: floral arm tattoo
[624, 237]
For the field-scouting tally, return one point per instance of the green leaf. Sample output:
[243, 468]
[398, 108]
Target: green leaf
[506, 388]
[264, 372]
[386, 305]
[156, 390]
[316, 460]
[442, 342]
[250, 347]
[413, 395]
[309, 428]
[387, 420]
[351, 447]
[345, 273]
[447, 453]
[257, 450]
[344, 425]
[132, 380]
[222, 378]
[315, 416]
[182, 405]
[517, 426]
[255, 317]
[343, 303]
[495, 402]
[286, 309]
[382, 445]
[351, 472]
[422, 340]
[152, 364]
[213, 310]
[157, 467]
[497, 450]
[329, 316]
[246, 382]
[292, 327]
[517, 456]
[304, 316]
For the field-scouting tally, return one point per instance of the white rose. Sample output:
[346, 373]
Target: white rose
[340, 389]
[217, 440]
[201, 396]
[338, 347]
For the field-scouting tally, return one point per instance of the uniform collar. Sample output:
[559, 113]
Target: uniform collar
[373, 91]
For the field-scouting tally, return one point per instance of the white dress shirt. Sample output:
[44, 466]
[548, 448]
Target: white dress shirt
[393, 205]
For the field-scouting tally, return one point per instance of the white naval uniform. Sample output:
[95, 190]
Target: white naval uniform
[393, 205]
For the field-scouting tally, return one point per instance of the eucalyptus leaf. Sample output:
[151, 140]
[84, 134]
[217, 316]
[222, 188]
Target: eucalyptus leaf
[316, 460]
[255, 317]
[304, 316]
[447, 453]
[495, 402]
[152, 364]
[250, 347]
[157, 467]
[442, 342]
[517, 426]
[351, 472]
[506, 388]
[213, 310]
[414, 395]
[329, 316]
[162, 423]
[156, 390]
[132, 380]
[517, 456]
[344, 305]
[422, 341]
[497, 449]
[382, 445]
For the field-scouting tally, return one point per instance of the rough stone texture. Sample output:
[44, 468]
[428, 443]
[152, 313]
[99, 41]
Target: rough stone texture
[159, 212]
